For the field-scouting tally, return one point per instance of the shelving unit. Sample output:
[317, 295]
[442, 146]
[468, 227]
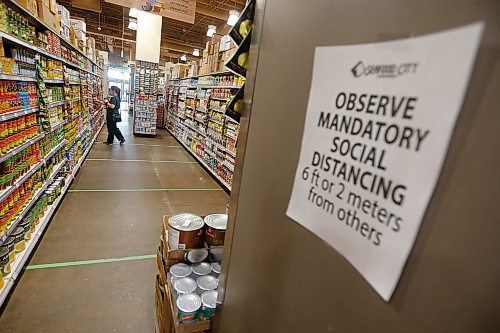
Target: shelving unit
[21, 258]
[62, 133]
[206, 123]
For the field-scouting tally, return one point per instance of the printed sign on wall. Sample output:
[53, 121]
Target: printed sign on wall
[379, 120]
[181, 10]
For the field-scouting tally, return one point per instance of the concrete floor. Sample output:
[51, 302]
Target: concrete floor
[103, 224]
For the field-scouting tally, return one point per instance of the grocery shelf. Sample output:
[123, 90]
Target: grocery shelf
[217, 110]
[21, 147]
[202, 110]
[231, 136]
[225, 185]
[219, 99]
[55, 81]
[220, 87]
[195, 129]
[75, 100]
[15, 114]
[216, 121]
[74, 83]
[5, 193]
[189, 106]
[23, 256]
[20, 42]
[8, 191]
[35, 197]
[56, 126]
[228, 165]
[63, 41]
[54, 104]
[230, 152]
[13, 77]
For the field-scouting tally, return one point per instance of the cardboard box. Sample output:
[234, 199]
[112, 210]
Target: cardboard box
[53, 6]
[30, 5]
[48, 17]
[64, 31]
[81, 35]
[78, 24]
[64, 15]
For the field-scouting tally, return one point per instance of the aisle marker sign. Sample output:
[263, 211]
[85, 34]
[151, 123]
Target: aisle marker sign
[379, 121]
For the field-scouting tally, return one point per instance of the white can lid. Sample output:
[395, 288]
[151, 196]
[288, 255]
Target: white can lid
[184, 285]
[216, 221]
[189, 302]
[196, 256]
[202, 268]
[180, 270]
[186, 222]
[216, 267]
[207, 282]
[209, 298]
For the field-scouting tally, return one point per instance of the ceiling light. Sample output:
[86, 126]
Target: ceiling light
[233, 17]
[196, 52]
[121, 53]
[183, 57]
[212, 29]
[133, 12]
[132, 24]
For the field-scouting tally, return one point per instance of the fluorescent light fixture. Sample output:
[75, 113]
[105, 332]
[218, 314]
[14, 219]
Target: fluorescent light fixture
[133, 12]
[233, 17]
[212, 29]
[121, 53]
[132, 24]
[183, 57]
[196, 52]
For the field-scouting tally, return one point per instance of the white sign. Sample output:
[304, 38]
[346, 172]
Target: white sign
[148, 37]
[379, 120]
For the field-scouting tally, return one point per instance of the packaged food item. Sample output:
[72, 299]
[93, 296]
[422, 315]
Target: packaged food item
[185, 231]
[4, 261]
[201, 269]
[207, 283]
[188, 306]
[208, 305]
[216, 268]
[184, 285]
[180, 270]
[215, 229]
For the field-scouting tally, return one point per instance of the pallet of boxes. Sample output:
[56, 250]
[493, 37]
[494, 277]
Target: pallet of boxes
[216, 53]
[188, 259]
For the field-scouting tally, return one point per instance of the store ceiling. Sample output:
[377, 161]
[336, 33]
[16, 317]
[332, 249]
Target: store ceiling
[109, 26]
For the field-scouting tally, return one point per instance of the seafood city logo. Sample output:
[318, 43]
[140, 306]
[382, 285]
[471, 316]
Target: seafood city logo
[385, 70]
[153, 6]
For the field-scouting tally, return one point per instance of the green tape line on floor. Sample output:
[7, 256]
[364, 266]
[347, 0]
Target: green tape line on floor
[147, 161]
[146, 190]
[89, 262]
[144, 144]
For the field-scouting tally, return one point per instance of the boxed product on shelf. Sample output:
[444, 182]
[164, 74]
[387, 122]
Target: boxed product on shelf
[30, 5]
[48, 17]
[64, 15]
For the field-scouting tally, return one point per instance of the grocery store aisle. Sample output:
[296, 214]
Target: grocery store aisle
[112, 215]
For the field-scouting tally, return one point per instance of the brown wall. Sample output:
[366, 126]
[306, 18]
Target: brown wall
[281, 277]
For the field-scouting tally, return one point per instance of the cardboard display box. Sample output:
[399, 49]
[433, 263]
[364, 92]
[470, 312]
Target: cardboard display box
[64, 15]
[30, 5]
[78, 24]
[49, 18]
[166, 308]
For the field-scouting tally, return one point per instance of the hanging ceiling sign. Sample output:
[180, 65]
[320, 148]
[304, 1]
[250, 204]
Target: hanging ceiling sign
[379, 120]
[181, 10]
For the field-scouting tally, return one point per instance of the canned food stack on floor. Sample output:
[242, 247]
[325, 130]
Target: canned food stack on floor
[188, 258]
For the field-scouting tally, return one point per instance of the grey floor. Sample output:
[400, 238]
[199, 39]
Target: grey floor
[133, 186]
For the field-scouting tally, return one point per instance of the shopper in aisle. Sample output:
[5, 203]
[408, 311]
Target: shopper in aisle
[113, 116]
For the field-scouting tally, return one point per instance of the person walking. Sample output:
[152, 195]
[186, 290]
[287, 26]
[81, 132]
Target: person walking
[113, 116]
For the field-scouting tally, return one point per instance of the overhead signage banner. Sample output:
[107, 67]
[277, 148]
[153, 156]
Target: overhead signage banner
[181, 10]
[379, 121]
[148, 37]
